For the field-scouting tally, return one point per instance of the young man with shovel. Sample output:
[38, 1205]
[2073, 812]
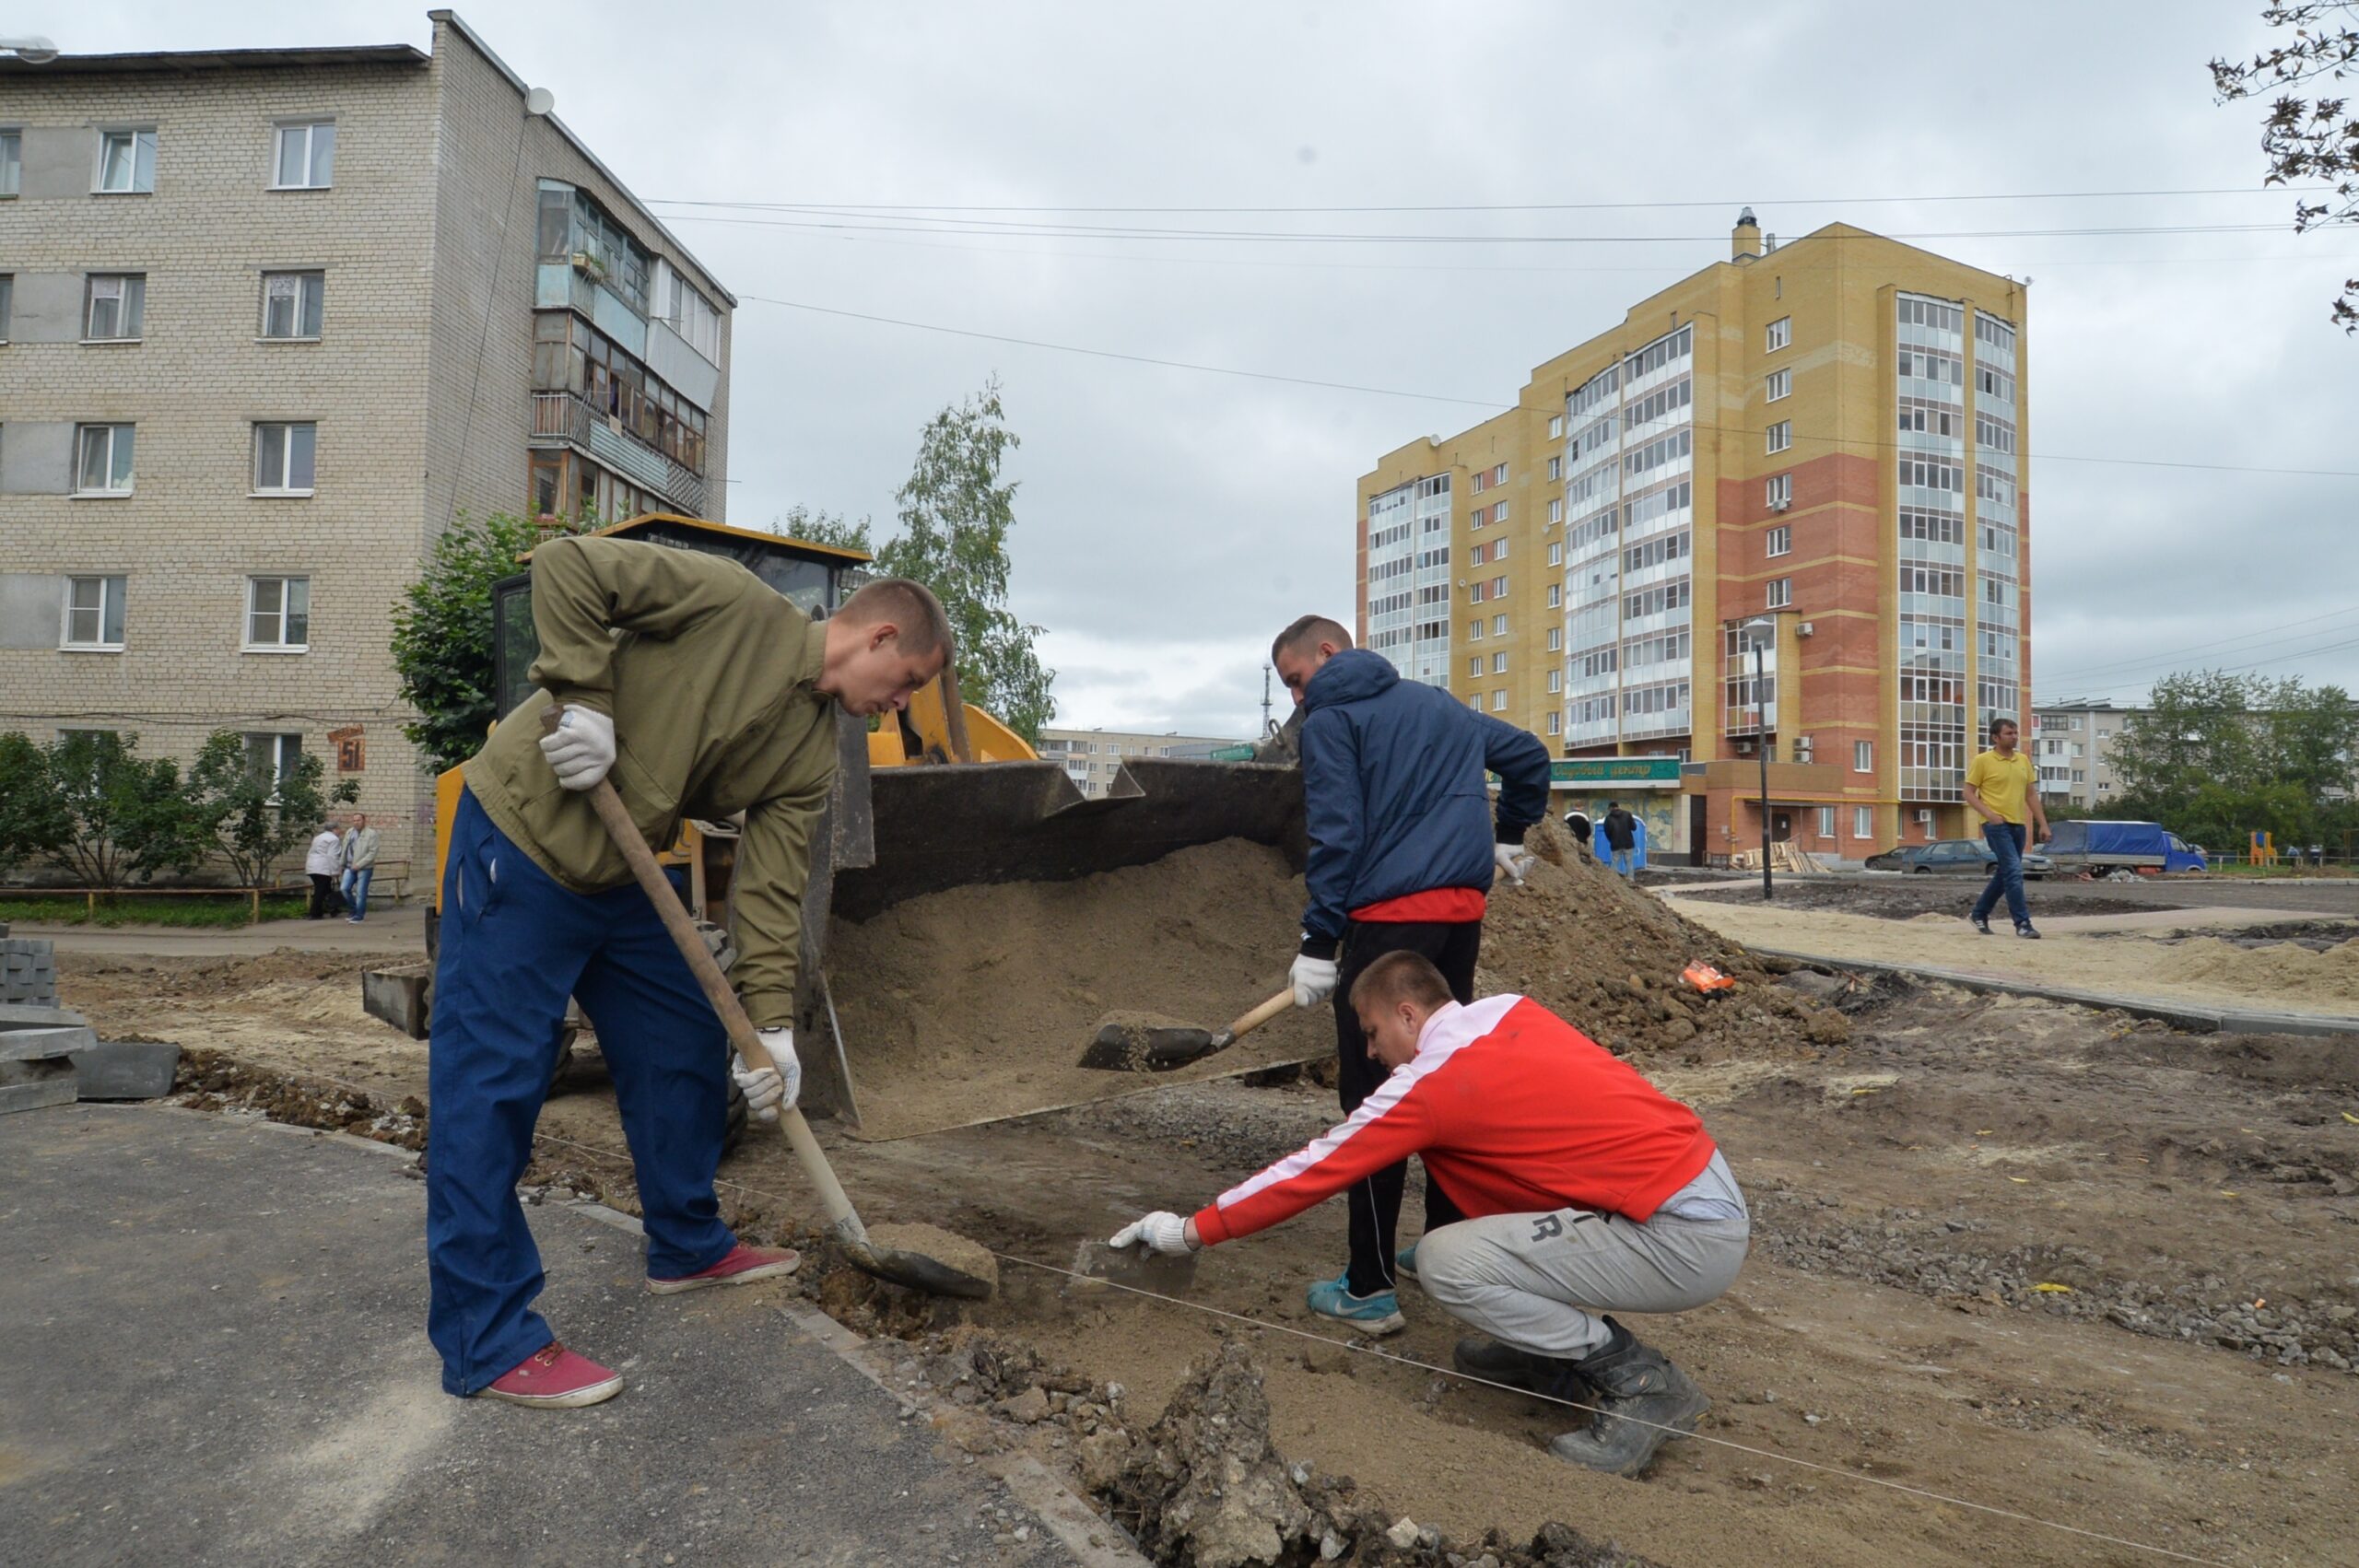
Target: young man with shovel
[1586, 1191]
[701, 692]
[1405, 844]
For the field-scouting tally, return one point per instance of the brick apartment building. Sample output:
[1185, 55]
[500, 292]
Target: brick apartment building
[269, 319]
[1828, 436]
[1093, 757]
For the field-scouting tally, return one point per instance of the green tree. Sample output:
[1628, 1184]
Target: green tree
[813, 527]
[955, 516]
[2217, 758]
[442, 635]
[253, 814]
[126, 818]
[2309, 140]
[34, 822]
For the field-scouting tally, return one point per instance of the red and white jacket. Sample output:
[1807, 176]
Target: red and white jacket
[1513, 1110]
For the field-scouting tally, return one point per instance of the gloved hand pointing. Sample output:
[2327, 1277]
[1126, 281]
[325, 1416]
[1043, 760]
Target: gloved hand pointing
[1314, 980]
[1511, 861]
[581, 748]
[775, 1088]
[1161, 1231]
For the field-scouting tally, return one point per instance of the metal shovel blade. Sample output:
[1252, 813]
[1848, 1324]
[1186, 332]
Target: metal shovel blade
[1139, 1048]
[1140, 1268]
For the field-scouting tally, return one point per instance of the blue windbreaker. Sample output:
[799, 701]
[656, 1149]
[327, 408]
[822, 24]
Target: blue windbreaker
[1394, 793]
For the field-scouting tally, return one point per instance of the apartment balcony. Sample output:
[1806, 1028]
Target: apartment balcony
[563, 419]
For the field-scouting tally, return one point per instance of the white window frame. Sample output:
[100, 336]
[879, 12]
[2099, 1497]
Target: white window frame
[8, 301]
[1474, 629]
[1826, 822]
[1556, 554]
[1864, 757]
[1863, 823]
[1778, 491]
[1556, 639]
[1780, 539]
[291, 587]
[278, 754]
[1499, 664]
[112, 585]
[1556, 510]
[1555, 425]
[1474, 667]
[1556, 680]
[313, 154]
[142, 137]
[129, 297]
[1499, 702]
[1475, 702]
[1555, 468]
[1781, 335]
[1499, 626]
[1555, 595]
[312, 281]
[1499, 475]
[117, 437]
[284, 486]
[1498, 550]
[1781, 593]
[1500, 512]
[1780, 435]
[1780, 385]
[1556, 724]
[12, 162]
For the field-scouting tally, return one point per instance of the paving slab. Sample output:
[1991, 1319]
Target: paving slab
[215, 1353]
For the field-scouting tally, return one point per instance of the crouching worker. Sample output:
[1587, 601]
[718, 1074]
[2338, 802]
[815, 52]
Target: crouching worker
[700, 692]
[1586, 1191]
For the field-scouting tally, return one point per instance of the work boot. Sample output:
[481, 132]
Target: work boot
[554, 1377]
[741, 1266]
[2024, 930]
[1635, 1384]
[1980, 923]
[1494, 1362]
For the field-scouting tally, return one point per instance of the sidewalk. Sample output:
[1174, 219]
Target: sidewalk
[401, 928]
[215, 1353]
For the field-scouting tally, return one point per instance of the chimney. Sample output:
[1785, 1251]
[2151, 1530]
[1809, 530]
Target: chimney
[1745, 240]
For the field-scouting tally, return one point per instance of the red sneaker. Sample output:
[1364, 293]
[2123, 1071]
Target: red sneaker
[743, 1266]
[556, 1377]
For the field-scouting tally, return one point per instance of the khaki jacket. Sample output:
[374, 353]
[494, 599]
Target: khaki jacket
[709, 677]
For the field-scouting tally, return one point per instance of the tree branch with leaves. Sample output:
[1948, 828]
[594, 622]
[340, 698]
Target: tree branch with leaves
[2308, 138]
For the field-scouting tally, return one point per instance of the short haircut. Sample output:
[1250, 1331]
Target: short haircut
[1399, 977]
[2000, 721]
[1307, 629]
[917, 617]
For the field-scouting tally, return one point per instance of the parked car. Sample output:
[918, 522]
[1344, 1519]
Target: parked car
[1954, 857]
[2140, 846]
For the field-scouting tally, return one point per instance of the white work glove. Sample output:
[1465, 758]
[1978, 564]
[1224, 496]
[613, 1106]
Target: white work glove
[1511, 860]
[581, 748]
[1314, 980]
[1161, 1231]
[775, 1088]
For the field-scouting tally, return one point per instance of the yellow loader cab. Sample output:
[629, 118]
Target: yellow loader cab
[904, 816]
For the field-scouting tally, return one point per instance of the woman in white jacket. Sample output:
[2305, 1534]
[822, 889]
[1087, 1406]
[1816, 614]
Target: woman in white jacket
[321, 863]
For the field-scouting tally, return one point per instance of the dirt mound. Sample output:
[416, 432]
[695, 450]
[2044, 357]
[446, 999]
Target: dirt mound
[1607, 956]
[977, 1003]
[2288, 967]
[213, 1081]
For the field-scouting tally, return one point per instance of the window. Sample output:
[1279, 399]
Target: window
[1864, 757]
[1556, 425]
[1781, 384]
[1556, 554]
[282, 455]
[1499, 549]
[1555, 595]
[291, 304]
[278, 613]
[1555, 512]
[1499, 475]
[1781, 332]
[1499, 702]
[273, 757]
[1474, 668]
[1475, 702]
[7, 288]
[685, 310]
[1499, 664]
[1555, 468]
[1474, 593]
[94, 613]
[1781, 491]
[1498, 588]
[114, 307]
[306, 156]
[1556, 680]
[1863, 823]
[12, 162]
[1826, 822]
[1555, 724]
[126, 161]
[1500, 512]
[103, 466]
[1499, 626]
[1782, 540]
[1474, 629]
[1480, 554]
[1781, 435]
[1781, 592]
[1556, 639]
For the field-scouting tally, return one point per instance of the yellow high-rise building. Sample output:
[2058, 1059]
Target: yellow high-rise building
[1827, 435]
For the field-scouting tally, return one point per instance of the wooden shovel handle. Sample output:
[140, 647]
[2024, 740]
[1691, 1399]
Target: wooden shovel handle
[1262, 1015]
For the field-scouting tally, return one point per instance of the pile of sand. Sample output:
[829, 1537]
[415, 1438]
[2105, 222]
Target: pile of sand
[1606, 955]
[2303, 978]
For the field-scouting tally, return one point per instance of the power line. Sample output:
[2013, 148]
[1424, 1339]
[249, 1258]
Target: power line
[1482, 403]
[2267, 638]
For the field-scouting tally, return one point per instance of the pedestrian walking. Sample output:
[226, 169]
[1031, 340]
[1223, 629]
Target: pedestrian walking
[2001, 788]
[1621, 836]
[357, 854]
[321, 863]
[1404, 846]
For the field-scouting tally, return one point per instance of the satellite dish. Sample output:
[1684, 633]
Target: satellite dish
[540, 100]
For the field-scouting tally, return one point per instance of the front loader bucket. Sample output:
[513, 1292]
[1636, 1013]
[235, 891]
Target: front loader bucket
[898, 834]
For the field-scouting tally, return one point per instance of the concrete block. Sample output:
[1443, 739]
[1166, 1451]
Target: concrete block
[25, 1015]
[35, 1097]
[126, 1070]
[403, 997]
[42, 1045]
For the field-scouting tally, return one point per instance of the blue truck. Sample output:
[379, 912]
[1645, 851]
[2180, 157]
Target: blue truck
[2100, 846]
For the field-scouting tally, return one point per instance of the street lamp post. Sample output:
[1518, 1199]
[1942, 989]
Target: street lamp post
[34, 51]
[1758, 631]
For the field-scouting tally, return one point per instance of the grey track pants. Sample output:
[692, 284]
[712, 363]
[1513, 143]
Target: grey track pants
[1537, 1281]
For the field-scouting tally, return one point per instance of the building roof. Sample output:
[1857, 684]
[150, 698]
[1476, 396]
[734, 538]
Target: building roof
[218, 60]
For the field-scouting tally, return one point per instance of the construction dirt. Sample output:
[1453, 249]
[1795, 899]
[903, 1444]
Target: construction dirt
[2057, 1261]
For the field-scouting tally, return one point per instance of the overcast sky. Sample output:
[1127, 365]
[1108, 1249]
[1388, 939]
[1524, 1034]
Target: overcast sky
[1170, 521]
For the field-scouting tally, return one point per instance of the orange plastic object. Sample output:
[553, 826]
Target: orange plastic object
[1704, 977]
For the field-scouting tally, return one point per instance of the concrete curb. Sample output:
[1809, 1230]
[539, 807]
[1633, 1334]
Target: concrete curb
[2191, 1016]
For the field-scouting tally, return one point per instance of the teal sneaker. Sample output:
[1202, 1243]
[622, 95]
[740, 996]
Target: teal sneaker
[1404, 1263]
[1378, 1313]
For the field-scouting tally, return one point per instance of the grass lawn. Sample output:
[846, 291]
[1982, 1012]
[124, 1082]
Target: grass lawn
[134, 909]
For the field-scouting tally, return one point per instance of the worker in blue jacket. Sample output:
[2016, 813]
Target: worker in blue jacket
[1403, 848]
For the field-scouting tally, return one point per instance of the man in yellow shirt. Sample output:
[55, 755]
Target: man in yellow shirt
[2001, 788]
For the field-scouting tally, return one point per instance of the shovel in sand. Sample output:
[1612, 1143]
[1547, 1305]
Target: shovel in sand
[1137, 1046]
[901, 1267]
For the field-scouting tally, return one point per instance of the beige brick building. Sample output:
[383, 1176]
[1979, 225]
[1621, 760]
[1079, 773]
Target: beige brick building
[1093, 758]
[272, 319]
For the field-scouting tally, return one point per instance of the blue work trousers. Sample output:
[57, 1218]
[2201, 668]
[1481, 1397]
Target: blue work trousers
[2006, 841]
[514, 946]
